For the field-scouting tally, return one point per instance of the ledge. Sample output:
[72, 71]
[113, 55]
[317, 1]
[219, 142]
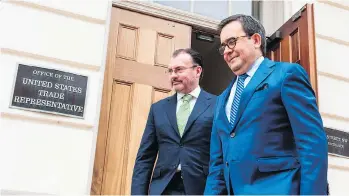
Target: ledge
[334, 116]
[49, 59]
[334, 4]
[19, 192]
[336, 77]
[73, 15]
[332, 39]
[45, 120]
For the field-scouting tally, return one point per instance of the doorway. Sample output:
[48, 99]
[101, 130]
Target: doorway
[139, 50]
[216, 75]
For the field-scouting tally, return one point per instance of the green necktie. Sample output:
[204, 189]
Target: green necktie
[183, 113]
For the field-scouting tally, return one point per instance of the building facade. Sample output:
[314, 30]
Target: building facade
[122, 48]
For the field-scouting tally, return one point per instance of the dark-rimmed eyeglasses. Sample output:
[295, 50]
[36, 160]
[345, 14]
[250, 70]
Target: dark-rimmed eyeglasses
[179, 69]
[230, 43]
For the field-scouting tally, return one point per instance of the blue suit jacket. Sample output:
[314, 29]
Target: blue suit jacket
[277, 145]
[161, 136]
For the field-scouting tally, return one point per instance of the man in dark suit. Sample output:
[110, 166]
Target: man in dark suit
[267, 135]
[178, 130]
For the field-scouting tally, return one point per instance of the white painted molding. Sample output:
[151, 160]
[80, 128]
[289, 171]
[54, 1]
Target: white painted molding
[338, 162]
[46, 118]
[333, 76]
[332, 39]
[49, 59]
[169, 13]
[335, 3]
[334, 116]
[19, 192]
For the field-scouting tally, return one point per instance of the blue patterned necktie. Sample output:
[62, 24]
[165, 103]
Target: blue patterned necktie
[236, 101]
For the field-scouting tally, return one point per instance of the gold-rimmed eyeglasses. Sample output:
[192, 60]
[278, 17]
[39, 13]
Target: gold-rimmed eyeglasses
[179, 69]
[230, 43]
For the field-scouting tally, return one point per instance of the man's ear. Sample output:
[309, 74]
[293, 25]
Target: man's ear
[257, 40]
[200, 70]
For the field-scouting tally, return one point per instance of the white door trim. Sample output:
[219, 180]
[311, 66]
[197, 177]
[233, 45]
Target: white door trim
[169, 13]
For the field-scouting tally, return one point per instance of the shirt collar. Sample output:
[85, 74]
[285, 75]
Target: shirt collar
[195, 93]
[255, 66]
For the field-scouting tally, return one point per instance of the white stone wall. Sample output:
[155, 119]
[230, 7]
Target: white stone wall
[332, 57]
[271, 13]
[45, 153]
[332, 50]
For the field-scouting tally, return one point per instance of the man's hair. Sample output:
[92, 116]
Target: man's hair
[249, 24]
[195, 56]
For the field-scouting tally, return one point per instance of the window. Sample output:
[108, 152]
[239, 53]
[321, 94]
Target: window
[182, 5]
[215, 9]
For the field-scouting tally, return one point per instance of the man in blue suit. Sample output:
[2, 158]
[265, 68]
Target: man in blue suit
[267, 135]
[178, 130]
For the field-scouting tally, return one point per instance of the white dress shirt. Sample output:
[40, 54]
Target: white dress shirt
[195, 93]
[250, 74]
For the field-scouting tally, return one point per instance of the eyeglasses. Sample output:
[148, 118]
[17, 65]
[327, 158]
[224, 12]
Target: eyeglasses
[179, 69]
[231, 43]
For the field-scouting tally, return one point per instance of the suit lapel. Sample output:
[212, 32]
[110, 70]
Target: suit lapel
[200, 106]
[266, 67]
[171, 112]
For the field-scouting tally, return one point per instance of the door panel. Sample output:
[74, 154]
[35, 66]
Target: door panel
[115, 151]
[127, 45]
[139, 49]
[297, 42]
[295, 46]
[152, 37]
[164, 49]
[141, 100]
[275, 53]
[159, 94]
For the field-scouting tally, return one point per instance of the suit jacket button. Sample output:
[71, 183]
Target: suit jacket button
[232, 134]
[181, 145]
[227, 164]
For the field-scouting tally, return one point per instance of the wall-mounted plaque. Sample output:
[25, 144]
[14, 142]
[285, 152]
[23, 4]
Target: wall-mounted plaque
[338, 142]
[49, 90]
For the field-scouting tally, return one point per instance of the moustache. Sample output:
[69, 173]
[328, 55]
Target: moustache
[174, 80]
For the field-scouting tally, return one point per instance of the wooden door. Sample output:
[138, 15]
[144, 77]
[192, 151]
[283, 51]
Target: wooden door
[295, 42]
[139, 50]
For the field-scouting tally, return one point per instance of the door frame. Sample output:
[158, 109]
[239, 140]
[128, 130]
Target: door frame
[311, 42]
[168, 13]
[102, 134]
[199, 22]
